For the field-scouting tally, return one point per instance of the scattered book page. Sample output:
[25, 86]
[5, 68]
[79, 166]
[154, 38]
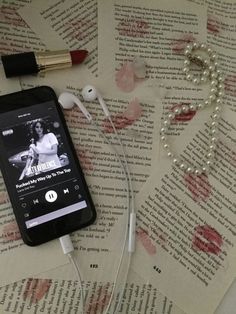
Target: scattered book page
[221, 36]
[151, 31]
[186, 223]
[43, 295]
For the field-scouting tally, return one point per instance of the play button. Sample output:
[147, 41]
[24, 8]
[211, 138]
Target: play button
[51, 196]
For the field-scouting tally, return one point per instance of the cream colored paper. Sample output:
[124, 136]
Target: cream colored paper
[16, 35]
[156, 32]
[221, 37]
[57, 296]
[66, 25]
[189, 223]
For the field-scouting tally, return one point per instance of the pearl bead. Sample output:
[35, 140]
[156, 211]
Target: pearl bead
[189, 77]
[215, 116]
[214, 123]
[209, 163]
[171, 116]
[212, 97]
[166, 122]
[192, 107]
[214, 131]
[214, 82]
[205, 169]
[196, 81]
[200, 106]
[214, 139]
[211, 68]
[185, 108]
[186, 62]
[183, 166]
[214, 75]
[205, 73]
[210, 155]
[187, 52]
[177, 110]
[189, 170]
[175, 161]
[170, 155]
[212, 146]
[197, 172]
[209, 73]
[163, 130]
[217, 109]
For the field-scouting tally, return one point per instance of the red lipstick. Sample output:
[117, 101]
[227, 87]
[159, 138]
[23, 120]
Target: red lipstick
[35, 62]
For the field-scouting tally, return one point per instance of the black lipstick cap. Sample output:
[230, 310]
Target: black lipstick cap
[19, 64]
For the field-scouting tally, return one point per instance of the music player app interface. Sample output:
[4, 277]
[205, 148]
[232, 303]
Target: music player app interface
[44, 178]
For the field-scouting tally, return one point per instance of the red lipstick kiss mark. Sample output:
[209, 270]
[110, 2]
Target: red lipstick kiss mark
[79, 28]
[11, 232]
[36, 289]
[144, 238]
[230, 85]
[101, 299]
[179, 45]
[133, 28]
[125, 77]
[199, 186]
[213, 24]
[84, 158]
[122, 120]
[207, 239]
[75, 118]
[183, 117]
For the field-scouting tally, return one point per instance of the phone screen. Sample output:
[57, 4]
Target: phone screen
[43, 177]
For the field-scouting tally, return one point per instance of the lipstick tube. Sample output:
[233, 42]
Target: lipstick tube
[34, 62]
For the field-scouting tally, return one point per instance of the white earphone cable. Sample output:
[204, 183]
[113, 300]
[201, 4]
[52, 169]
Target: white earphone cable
[68, 249]
[128, 210]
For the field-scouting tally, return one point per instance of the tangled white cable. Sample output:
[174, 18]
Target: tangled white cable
[209, 72]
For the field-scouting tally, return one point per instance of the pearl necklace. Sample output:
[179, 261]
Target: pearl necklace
[209, 72]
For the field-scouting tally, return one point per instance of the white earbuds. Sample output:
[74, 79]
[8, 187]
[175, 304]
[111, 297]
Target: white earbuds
[68, 100]
[89, 93]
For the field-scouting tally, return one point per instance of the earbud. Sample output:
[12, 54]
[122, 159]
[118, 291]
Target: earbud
[89, 93]
[68, 100]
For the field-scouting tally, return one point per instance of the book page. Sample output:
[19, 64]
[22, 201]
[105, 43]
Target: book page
[16, 35]
[66, 25]
[155, 32]
[42, 295]
[221, 36]
[189, 222]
